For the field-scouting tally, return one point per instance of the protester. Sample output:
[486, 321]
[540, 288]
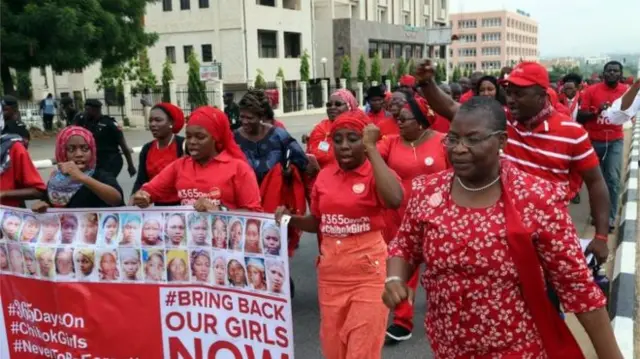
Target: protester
[571, 93]
[626, 107]
[69, 110]
[407, 83]
[232, 111]
[165, 122]
[488, 86]
[418, 150]
[474, 226]
[345, 208]
[48, 107]
[19, 178]
[542, 141]
[607, 138]
[75, 181]
[214, 176]
[108, 138]
[11, 123]
[456, 91]
[375, 99]
[472, 86]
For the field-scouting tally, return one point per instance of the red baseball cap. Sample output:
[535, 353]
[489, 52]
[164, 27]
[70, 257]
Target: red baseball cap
[528, 74]
[407, 80]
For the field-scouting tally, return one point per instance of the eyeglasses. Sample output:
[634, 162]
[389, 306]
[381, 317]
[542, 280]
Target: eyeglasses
[335, 104]
[468, 142]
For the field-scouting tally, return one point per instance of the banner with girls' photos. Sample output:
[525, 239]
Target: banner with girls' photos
[165, 282]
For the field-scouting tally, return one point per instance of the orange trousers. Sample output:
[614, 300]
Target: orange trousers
[351, 274]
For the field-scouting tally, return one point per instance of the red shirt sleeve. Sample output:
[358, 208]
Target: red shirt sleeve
[26, 174]
[583, 154]
[384, 147]
[313, 201]
[319, 134]
[378, 198]
[164, 184]
[246, 188]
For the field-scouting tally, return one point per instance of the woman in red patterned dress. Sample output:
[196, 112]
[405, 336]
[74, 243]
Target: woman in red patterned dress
[485, 230]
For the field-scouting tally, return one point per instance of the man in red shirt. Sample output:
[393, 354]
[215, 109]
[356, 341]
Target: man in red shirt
[607, 138]
[570, 96]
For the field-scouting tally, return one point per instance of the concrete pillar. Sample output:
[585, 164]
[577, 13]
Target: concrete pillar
[279, 85]
[128, 113]
[303, 94]
[374, 83]
[210, 93]
[324, 84]
[387, 84]
[218, 94]
[360, 93]
[173, 92]
[250, 83]
[343, 83]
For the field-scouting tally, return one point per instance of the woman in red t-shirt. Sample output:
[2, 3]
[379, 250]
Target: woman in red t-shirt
[215, 175]
[19, 178]
[345, 208]
[165, 122]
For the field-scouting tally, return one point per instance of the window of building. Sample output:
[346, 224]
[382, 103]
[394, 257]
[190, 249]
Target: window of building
[291, 4]
[491, 65]
[185, 4]
[417, 52]
[467, 65]
[491, 36]
[443, 4]
[467, 24]
[491, 22]
[467, 52]
[204, 4]
[397, 51]
[292, 41]
[266, 2]
[167, 5]
[408, 51]
[373, 49]
[467, 38]
[207, 53]
[43, 71]
[268, 43]
[170, 52]
[385, 50]
[186, 51]
[491, 51]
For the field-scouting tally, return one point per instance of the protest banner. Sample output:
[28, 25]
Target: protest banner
[156, 283]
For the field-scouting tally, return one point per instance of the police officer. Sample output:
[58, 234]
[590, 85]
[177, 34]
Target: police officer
[109, 138]
[12, 122]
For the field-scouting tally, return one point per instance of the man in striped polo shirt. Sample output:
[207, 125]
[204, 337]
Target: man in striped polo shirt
[541, 140]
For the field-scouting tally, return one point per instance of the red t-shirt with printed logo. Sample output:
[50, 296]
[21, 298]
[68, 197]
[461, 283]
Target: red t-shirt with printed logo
[346, 202]
[592, 99]
[226, 180]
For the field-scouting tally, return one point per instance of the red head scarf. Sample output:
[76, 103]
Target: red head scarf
[64, 136]
[351, 120]
[346, 96]
[176, 114]
[408, 80]
[216, 123]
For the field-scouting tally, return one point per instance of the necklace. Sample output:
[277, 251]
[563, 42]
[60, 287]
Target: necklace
[413, 144]
[168, 144]
[477, 189]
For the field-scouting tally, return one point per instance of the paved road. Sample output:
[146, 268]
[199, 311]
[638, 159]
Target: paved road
[305, 303]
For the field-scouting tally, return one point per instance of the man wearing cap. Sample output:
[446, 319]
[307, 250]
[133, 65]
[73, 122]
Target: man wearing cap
[541, 140]
[12, 122]
[375, 98]
[109, 139]
[232, 111]
[607, 138]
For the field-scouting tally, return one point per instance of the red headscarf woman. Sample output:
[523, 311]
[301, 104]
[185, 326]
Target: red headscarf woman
[214, 175]
[165, 122]
[345, 209]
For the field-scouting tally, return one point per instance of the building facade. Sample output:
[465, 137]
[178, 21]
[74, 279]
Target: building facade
[392, 28]
[488, 41]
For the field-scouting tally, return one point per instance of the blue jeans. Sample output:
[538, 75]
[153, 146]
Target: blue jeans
[610, 156]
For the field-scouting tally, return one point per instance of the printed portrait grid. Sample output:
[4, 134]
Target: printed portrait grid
[145, 247]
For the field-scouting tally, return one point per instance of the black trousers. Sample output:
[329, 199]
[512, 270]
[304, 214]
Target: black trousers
[48, 122]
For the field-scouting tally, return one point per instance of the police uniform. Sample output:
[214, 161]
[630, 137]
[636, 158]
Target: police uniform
[16, 126]
[108, 136]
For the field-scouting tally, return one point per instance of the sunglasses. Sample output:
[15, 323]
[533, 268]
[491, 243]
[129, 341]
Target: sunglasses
[335, 104]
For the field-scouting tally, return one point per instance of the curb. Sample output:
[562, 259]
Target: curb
[622, 308]
[42, 164]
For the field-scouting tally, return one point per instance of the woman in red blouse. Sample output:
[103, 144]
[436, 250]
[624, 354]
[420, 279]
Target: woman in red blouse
[418, 150]
[345, 208]
[214, 176]
[485, 231]
[165, 122]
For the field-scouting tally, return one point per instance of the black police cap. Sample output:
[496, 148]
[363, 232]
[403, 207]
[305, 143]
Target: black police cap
[9, 100]
[92, 102]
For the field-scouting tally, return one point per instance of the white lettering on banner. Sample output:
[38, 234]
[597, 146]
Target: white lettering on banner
[25, 311]
[340, 226]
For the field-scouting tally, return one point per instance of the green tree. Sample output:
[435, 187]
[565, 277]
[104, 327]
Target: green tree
[24, 87]
[113, 77]
[362, 69]
[456, 74]
[401, 68]
[167, 75]
[260, 82]
[345, 71]
[375, 72]
[391, 77]
[411, 67]
[144, 75]
[280, 74]
[70, 35]
[304, 67]
[441, 74]
[196, 89]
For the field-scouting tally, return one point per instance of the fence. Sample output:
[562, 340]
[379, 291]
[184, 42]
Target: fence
[183, 101]
[137, 108]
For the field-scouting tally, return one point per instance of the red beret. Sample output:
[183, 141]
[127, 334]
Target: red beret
[175, 113]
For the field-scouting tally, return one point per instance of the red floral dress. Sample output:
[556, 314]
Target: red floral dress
[476, 307]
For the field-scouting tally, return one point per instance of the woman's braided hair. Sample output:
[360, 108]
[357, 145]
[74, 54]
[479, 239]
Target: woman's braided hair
[256, 102]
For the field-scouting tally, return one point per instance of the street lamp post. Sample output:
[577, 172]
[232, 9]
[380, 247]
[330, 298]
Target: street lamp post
[324, 67]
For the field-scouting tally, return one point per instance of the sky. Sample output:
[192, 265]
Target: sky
[573, 27]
